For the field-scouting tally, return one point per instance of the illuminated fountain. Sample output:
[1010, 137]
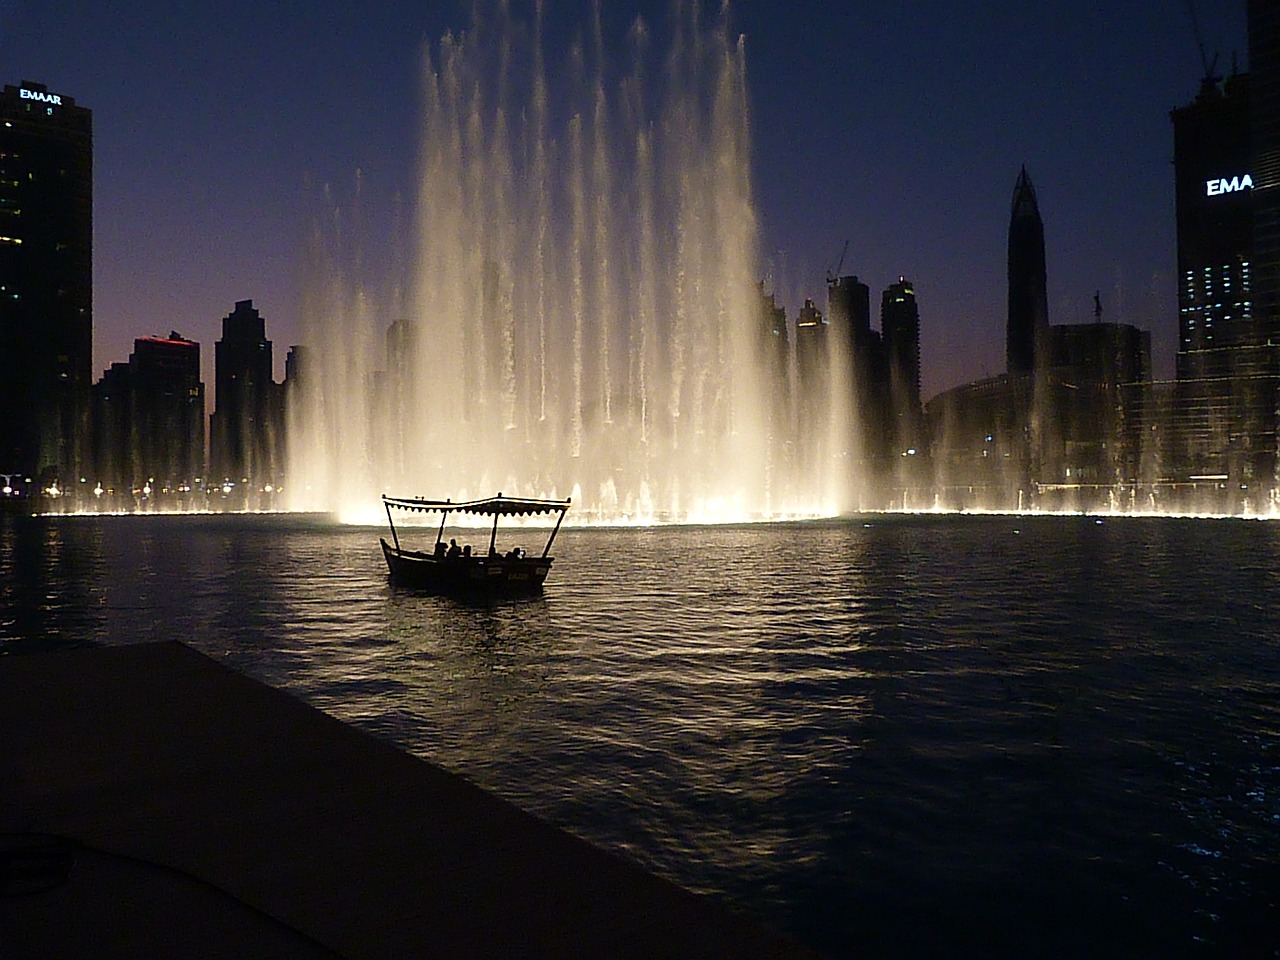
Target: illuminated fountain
[583, 318]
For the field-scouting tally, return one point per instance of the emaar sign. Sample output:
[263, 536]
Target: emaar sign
[1213, 188]
[52, 98]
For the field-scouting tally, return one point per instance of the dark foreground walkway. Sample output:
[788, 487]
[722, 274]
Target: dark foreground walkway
[156, 804]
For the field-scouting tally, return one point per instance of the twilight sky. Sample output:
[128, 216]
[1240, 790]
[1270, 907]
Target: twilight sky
[896, 125]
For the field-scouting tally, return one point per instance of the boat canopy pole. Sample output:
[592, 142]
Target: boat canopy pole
[550, 539]
[394, 536]
[493, 537]
[444, 515]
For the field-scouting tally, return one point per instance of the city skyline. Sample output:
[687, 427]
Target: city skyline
[216, 134]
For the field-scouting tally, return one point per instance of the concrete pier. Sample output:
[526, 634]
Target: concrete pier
[155, 803]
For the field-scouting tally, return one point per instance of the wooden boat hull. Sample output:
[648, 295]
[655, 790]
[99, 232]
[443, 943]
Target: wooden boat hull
[497, 575]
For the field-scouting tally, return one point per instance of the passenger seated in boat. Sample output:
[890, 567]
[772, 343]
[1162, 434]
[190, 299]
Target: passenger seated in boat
[466, 552]
[454, 550]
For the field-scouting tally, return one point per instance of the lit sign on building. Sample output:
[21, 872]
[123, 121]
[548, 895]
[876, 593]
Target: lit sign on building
[1213, 188]
[52, 98]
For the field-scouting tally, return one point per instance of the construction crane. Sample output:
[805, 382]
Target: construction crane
[834, 275]
[1210, 78]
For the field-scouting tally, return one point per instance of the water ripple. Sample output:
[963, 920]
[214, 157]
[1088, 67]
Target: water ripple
[826, 724]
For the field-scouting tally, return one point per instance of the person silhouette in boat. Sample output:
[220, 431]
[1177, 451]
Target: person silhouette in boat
[455, 551]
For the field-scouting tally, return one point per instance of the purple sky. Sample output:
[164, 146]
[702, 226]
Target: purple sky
[898, 126]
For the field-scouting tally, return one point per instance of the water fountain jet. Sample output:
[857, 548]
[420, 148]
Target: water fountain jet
[584, 318]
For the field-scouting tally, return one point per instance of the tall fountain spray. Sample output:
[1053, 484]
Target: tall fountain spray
[584, 319]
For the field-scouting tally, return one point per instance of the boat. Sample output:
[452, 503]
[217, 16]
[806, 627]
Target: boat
[453, 570]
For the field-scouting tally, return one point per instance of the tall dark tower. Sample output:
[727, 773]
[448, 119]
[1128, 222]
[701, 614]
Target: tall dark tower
[849, 310]
[168, 411]
[776, 353]
[900, 327]
[1264, 114]
[1028, 328]
[813, 349]
[1227, 176]
[241, 428]
[46, 282]
[1264, 135]
[1215, 231]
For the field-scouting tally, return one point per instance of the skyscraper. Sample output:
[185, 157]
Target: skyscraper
[168, 412]
[111, 418]
[1264, 135]
[148, 426]
[1028, 324]
[1262, 395]
[849, 311]
[773, 334]
[1213, 190]
[812, 361]
[1227, 174]
[243, 425]
[900, 327]
[855, 343]
[776, 355]
[46, 281]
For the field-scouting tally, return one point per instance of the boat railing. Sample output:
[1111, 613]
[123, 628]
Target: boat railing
[497, 507]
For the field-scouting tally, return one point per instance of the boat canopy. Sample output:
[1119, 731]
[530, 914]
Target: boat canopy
[495, 507]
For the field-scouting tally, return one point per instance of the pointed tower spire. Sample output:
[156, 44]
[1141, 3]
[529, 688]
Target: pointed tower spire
[1028, 319]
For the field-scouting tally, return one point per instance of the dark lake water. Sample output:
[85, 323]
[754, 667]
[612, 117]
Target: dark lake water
[896, 736]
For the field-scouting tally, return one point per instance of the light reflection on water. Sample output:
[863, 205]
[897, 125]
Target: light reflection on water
[899, 734]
